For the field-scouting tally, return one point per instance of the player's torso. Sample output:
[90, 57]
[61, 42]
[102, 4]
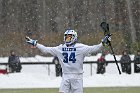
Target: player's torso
[71, 58]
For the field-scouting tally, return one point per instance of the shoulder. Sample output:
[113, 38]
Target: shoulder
[76, 45]
[17, 56]
[80, 45]
[61, 45]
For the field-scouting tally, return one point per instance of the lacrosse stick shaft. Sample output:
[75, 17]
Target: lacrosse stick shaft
[114, 57]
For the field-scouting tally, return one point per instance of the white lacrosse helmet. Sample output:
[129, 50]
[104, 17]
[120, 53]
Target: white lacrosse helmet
[70, 37]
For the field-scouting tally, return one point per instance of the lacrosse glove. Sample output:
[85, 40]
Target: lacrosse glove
[106, 40]
[31, 41]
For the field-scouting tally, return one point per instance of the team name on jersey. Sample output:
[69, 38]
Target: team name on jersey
[68, 49]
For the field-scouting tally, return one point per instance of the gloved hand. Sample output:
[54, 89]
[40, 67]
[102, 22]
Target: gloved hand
[106, 40]
[31, 41]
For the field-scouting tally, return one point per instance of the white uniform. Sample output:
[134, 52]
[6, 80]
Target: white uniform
[71, 60]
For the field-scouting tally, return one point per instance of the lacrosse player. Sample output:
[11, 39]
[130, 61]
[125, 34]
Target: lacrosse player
[71, 57]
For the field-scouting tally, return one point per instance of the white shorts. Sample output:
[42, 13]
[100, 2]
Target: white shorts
[72, 83]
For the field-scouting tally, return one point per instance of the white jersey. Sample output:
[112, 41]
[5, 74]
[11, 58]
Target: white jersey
[71, 58]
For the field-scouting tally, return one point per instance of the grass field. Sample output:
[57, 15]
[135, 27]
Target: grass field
[86, 90]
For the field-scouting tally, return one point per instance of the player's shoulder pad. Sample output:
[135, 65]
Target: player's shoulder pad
[80, 44]
[60, 45]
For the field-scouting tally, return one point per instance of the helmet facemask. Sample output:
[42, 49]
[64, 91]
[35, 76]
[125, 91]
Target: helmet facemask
[70, 37]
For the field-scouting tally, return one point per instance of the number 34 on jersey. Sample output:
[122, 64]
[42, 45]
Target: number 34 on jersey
[69, 57]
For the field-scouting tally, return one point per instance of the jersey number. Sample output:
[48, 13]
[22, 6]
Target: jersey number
[70, 57]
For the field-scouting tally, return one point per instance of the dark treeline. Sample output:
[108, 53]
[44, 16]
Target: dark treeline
[46, 20]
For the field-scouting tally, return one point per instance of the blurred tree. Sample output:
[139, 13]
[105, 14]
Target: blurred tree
[130, 15]
[46, 20]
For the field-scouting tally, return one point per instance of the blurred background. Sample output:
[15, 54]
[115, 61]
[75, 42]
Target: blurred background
[47, 20]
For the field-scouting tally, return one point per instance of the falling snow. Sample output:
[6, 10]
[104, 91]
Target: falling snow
[47, 19]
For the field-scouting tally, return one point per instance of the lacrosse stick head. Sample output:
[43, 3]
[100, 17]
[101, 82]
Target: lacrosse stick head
[105, 27]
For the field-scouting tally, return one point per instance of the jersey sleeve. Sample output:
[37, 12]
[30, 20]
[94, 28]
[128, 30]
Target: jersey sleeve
[44, 49]
[92, 49]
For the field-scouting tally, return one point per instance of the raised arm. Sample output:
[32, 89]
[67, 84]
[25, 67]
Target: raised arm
[96, 48]
[42, 48]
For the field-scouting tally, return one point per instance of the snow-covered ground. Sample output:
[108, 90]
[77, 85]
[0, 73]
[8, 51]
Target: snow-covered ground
[42, 80]
[43, 76]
